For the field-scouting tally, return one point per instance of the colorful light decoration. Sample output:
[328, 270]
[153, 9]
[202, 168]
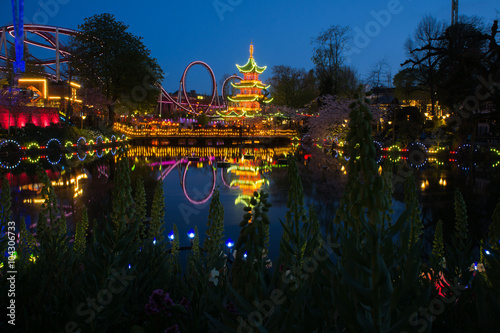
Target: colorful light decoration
[247, 100]
[378, 148]
[393, 150]
[82, 158]
[462, 149]
[60, 155]
[418, 146]
[97, 152]
[18, 146]
[171, 236]
[81, 139]
[91, 144]
[35, 146]
[497, 163]
[68, 146]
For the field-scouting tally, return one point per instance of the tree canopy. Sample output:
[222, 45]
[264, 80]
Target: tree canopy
[108, 57]
[292, 87]
[329, 58]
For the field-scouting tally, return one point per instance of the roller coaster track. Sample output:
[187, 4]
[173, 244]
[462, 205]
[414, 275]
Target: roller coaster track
[182, 93]
[49, 35]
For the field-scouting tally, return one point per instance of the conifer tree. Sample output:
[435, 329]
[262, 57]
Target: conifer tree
[173, 258]
[388, 190]
[49, 211]
[123, 204]
[27, 242]
[298, 227]
[81, 233]
[437, 254]
[370, 263]
[214, 242]
[411, 201]
[494, 229]
[194, 256]
[247, 268]
[140, 208]
[157, 214]
[296, 214]
[460, 216]
[6, 202]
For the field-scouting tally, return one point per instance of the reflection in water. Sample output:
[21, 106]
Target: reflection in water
[248, 178]
[241, 168]
[190, 175]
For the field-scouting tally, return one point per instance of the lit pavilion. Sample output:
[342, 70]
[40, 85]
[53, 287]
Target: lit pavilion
[247, 101]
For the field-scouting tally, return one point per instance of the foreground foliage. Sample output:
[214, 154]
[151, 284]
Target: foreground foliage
[363, 272]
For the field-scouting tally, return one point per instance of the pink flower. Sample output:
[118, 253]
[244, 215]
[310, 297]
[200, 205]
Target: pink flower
[159, 301]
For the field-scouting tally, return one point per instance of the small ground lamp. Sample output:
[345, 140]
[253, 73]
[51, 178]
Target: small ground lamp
[229, 244]
[191, 235]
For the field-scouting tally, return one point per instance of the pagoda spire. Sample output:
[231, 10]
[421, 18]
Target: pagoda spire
[247, 103]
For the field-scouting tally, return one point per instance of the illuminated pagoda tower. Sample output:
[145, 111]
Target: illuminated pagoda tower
[247, 101]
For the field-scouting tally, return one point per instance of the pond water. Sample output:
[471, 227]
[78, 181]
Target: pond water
[190, 174]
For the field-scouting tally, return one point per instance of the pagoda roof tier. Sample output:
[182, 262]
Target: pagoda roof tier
[248, 98]
[251, 67]
[250, 84]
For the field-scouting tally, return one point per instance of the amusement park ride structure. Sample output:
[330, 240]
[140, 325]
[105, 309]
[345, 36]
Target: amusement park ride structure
[49, 38]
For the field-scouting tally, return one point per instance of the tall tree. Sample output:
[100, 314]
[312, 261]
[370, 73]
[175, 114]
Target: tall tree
[109, 57]
[214, 241]
[140, 208]
[349, 81]
[437, 254]
[292, 87]
[123, 204]
[329, 57]
[422, 57]
[406, 85]
[6, 200]
[81, 233]
[380, 74]
[157, 214]
[461, 48]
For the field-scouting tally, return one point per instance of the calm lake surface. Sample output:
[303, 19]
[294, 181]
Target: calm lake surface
[190, 174]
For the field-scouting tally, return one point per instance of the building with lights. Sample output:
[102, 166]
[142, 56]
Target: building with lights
[247, 103]
[37, 101]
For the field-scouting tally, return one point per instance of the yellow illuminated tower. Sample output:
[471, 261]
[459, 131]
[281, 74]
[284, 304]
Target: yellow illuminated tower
[247, 101]
[248, 179]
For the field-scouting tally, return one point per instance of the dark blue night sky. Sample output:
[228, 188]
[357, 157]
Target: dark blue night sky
[219, 32]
